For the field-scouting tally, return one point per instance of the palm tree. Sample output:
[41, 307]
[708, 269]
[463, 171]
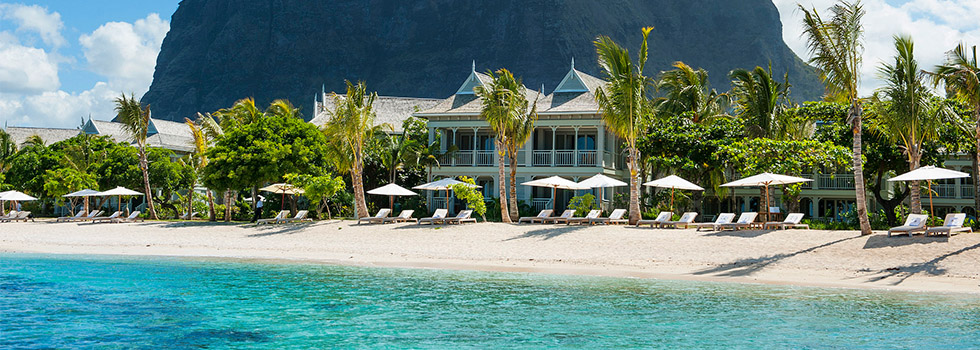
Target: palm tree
[33, 141]
[836, 47]
[624, 105]
[7, 150]
[687, 92]
[199, 160]
[910, 116]
[399, 152]
[351, 126]
[213, 131]
[961, 76]
[512, 118]
[759, 100]
[135, 120]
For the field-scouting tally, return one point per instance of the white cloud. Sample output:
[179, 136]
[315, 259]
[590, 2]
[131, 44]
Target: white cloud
[126, 53]
[26, 69]
[936, 26]
[35, 19]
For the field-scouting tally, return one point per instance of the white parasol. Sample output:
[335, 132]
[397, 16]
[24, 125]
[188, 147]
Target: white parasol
[674, 182]
[929, 173]
[443, 185]
[601, 181]
[83, 193]
[392, 190]
[283, 189]
[766, 180]
[555, 183]
[118, 192]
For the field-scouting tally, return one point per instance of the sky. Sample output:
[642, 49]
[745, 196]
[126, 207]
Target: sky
[65, 60]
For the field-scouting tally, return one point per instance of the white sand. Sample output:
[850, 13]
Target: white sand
[798, 257]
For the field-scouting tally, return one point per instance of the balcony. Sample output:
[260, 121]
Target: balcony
[540, 204]
[966, 191]
[478, 158]
[565, 158]
[941, 191]
[835, 181]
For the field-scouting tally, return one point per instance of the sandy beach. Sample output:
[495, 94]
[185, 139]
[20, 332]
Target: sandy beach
[794, 257]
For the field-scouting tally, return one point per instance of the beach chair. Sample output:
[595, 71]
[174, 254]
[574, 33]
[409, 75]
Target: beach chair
[662, 218]
[615, 218]
[686, 220]
[913, 223]
[463, 216]
[91, 216]
[436, 217]
[10, 216]
[544, 214]
[592, 215]
[723, 218]
[746, 220]
[133, 217]
[78, 215]
[188, 217]
[952, 225]
[299, 217]
[282, 214]
[565, 215]
[20, 216]
[792, 221]
[377, 218]
[405, 216]
[109, 218]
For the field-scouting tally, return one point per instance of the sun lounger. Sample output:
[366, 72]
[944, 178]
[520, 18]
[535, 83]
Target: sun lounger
[405, 216]
[20, 216]
[686, 220]
[10, 215]
[437, 217]
[723, 218]
[463, 216]
[952, 225]
[133, 217]
[615, 218]
[190, 217]
[91, 216]
[565, 215]
[746, 220]
[662, 218]
[913, 223]
[792, 221]
[282, 214]
[80, 214]
[299, 217]
[544, 214]
[592, 215]
[109, 218]
[377, 218]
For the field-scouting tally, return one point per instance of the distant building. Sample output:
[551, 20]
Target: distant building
[161, 133]
[387, 109]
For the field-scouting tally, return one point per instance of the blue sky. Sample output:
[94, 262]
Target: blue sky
[62, 60]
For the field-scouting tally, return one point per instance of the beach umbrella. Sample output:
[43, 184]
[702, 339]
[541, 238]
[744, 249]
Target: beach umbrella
[674, 182]
[118, 192]
[766, 180]
[601, 181]
[929, 173]
[391, 190]
[555, 183]
[83, 193]
[283, 189]
[443, 185]
[15, 196]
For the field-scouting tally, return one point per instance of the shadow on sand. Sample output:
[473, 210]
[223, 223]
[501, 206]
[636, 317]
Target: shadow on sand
[745, 267]
[548, 232]
[931, 267]
[739, 233]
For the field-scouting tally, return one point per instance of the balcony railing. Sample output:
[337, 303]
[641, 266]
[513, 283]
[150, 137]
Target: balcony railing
[486, 158]
[556, 158]
[564, 158]
[540, 204]
[835, 181]
[940, 191]
[966, 191]
[587, 158]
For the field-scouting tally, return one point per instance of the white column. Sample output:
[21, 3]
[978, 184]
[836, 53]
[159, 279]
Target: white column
[576, 146]
[529, 149]
[453, 161]
[475, 139]
[600, 145]
[554, 139]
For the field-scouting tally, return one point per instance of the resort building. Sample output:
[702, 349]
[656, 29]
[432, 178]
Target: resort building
[569, 140]
[161, 133]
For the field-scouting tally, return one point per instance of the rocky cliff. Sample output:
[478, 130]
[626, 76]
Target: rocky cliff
[218, 51]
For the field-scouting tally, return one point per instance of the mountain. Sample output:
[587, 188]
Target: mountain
[219, 51]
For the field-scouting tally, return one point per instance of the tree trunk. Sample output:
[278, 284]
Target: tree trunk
[144, 165]
[358, 182]
[859, 194]
[634, 185]
[915, 206]
[228, 205]
[976, 163]
[190, 202]
[514, 209]
[212, 215]
[502, 183]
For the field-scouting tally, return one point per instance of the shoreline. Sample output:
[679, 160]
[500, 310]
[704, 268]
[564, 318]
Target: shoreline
[703, 256]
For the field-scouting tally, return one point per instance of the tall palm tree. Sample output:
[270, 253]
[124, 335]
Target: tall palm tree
[7, 150]
[495, 99]
[351, 126]
[910, 115]
[759, 100]
[135, 120]
[505, 105]
[624, 104]
[961, 76]
[836, 47]
[687, 92]
[33, 141]
[199, 160]
[399, 152]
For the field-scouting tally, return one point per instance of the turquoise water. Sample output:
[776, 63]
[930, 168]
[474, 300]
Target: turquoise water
[105, 302]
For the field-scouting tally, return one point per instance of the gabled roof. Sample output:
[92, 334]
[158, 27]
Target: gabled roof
[475, 79]
[49, 135]
[470, 104]
[387, 109]
[575, 94]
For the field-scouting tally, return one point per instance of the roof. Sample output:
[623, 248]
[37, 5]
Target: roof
[170, 135]
[49, 135]
[387, 109]
[575, 93]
